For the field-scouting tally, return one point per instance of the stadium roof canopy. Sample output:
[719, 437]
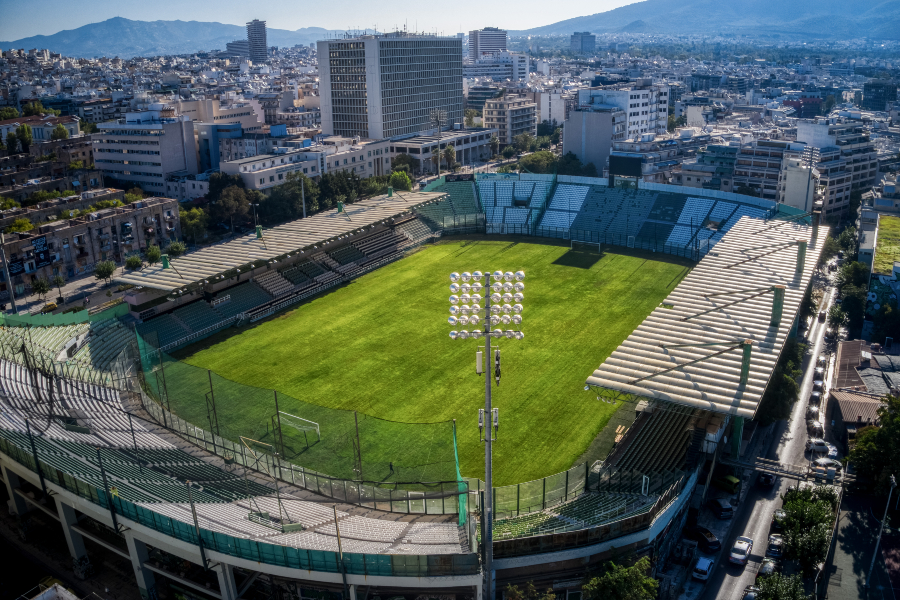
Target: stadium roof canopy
[281, 241]
[702, 315]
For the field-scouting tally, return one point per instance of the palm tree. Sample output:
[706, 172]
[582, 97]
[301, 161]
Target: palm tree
[449, 155]
[494, 144]
[436, 161]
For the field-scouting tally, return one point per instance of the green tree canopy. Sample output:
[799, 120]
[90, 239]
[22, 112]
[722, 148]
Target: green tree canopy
[622, 583]
[8, 203]
[59, 133]
[194, 223]
[153, 254]
[23, 134]
[134, 262]
[40, 286]
[400, 181]
[539, 162]
[8, 112]
[509, 151]
[231, 204]
[852, 273]
[35, 108]
[471, 113]
[87, 128]
[58, 281]
[780, 587]
[494, 144]
[286, 201]
[783, 389]
[218, 182]
[175, 248]
[12, 142]
[876, 455]
[21, 224]
[528, 592]
[449, 155]
[104, 270]
[402, 161]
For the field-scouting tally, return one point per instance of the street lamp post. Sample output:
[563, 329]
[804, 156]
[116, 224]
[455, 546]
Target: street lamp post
[880, 530]
[501, 307]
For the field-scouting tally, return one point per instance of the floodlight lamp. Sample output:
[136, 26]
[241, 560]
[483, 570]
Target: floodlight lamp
[463, 334]
[505, 319]
[454, 276]
[452, 320]
[464, 320]
[454, 299]
[466, 276]
[465, 287]
[497, 333]
[476, 308]
[509, 333]
[454, 310]
[464, 297]
[520, 275]
[517, 319]
[475, 333]
[495, 320]
[518, 296]
[507, 297]
[474, 320]
[476, 287]
[477, 275]
[506, 308]
[454, 287]
[517, 308]
[497, 275]
[519, 287]
[497, 286]
[453, 335]
[464, 309]
[507, 287]
[508, 276]
[520, 335]
[495, 309]
[495, 298]
[475, 298]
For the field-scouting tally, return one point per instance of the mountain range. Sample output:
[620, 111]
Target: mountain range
[126, 38]
[815, 19]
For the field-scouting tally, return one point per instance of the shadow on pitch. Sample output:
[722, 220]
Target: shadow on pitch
[578, 259]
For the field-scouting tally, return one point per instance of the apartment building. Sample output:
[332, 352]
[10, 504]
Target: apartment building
[59, 208]
[248, 113]
[483, 42]
[589, 134]
[72, 247]
[41, 126]
[503, 66]
[844, 156]
[391, 85]
[471, 145]
[256, 40]
[510, 116]
[145, 147]
[662, 155]
[646, 104]
[758, 165]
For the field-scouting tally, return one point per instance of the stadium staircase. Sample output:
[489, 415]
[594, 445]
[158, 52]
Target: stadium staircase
[273, 283]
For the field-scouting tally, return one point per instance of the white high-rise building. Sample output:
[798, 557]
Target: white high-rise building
[645, 104]
[483, 42]
[256, 38]
[388, 86]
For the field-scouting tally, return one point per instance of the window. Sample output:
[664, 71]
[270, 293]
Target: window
[262, 180]
[271, 178]
[280, 176]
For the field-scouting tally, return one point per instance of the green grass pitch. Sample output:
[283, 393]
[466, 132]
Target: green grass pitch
[380, 345]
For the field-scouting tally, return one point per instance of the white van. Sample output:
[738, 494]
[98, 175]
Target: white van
[702, 569]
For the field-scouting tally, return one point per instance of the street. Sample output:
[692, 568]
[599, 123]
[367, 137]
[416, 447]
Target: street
[753, 517]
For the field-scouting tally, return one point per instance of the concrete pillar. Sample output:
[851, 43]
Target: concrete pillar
[227, 586]
[146, 582]
[67, 519]
[352, 591]
[737, 432]
[479, 591]
[17, 504]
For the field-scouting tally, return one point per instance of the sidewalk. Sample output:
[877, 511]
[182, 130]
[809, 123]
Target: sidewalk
[75, 292]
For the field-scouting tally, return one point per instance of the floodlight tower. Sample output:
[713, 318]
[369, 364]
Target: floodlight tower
[505, 309]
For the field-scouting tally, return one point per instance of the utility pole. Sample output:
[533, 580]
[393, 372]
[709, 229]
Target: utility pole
[9, 283]
[880, 530]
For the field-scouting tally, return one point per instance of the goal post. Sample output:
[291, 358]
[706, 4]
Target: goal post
[300, 424]
[577, 246]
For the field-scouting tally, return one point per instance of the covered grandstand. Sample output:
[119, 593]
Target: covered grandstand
[100, 444]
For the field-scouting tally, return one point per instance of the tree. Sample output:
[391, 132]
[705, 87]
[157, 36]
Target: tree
[781, 587]
[152, 254]
[783, 389]
[828, 104]
[59, 133]
[400, 181]
[286, 201]
[545, 128]
[494, 144]
[403, 162]
[23, 134]
[40, 286]
[853, 303]
[876, 455]
[21, 224]
[471, 113]
[8, 112]
[12, 142]
[837, 318]
[509, 151]
[232, 203]
[529, 592]
[35, 108]
[436, 161]
[176, 248]
[622, 583]
[218, 182]
[539, 162]
[556, 136]
[134, 262]
[852, 273]
[8, 203]
[886, 323]
[58, 281]
[523, 142]
[104, 270]
[87, 128]
[449, 155]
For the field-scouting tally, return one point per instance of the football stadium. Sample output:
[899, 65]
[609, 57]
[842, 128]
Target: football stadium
[287, 412]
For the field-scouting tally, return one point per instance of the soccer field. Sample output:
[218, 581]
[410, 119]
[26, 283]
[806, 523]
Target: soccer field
[379, 345]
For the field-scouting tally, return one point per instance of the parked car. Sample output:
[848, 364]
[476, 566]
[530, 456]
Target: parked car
[702, 569]
[766, 479]
[775, 549]
[728, 483]
[812, 412]
[49, 308]
[821, 316]
[818, 383]
[814, 427]
[828, 463]
[750, 593]
[822, 360]
[815, 398]
[705, 538]
[769, 567]
[740, 551]
[721, 507]
[817, 445]
[778, 519]
[820, 372]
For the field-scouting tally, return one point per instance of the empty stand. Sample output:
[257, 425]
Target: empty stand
[273, 283]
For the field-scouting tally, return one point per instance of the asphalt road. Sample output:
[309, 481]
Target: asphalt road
[753, 517]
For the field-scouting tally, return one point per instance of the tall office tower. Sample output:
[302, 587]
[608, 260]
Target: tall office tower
[256, 37]
[489, 40]
[387, 86]
[583, 42]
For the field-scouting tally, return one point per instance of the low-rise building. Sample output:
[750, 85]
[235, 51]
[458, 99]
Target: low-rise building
[471, 145]
[589, 133]
[510, 116]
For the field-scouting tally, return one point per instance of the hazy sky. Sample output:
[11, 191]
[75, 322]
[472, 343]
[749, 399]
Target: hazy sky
[20, 19]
